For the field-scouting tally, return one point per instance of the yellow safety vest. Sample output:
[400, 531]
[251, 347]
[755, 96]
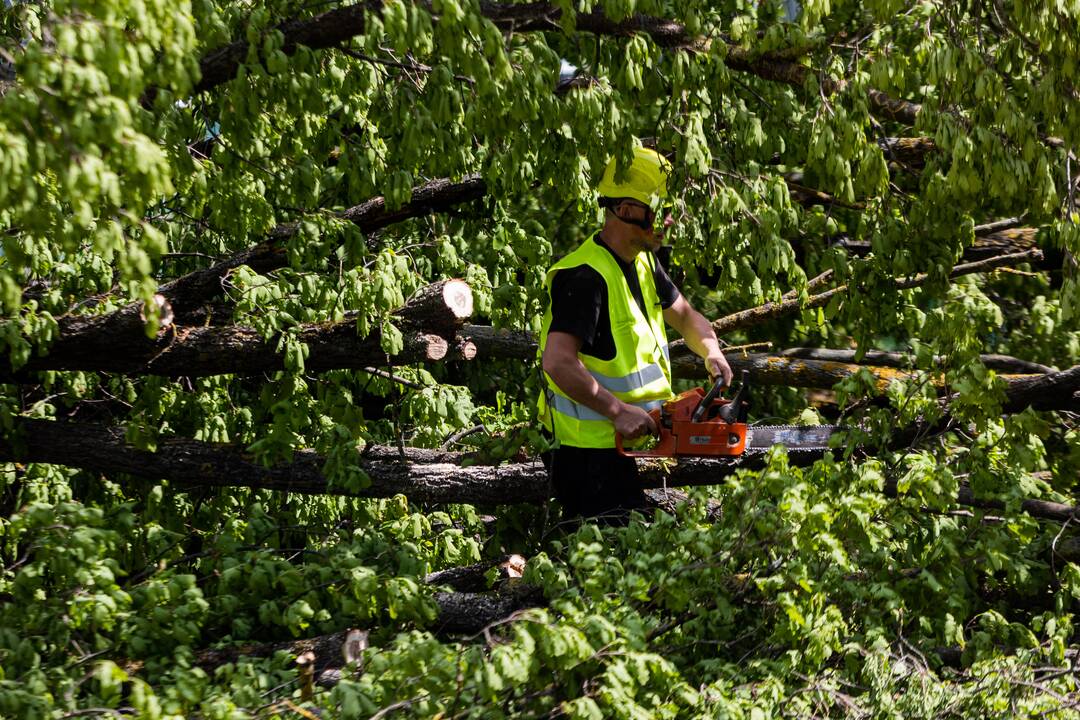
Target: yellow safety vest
[640, 372]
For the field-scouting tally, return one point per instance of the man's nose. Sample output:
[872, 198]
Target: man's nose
[667, 222]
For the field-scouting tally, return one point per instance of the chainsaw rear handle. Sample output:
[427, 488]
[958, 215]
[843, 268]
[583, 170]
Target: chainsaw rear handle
[736, 410]
[714, 392]
[655, 452]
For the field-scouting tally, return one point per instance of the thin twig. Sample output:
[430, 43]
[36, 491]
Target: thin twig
[396, 378]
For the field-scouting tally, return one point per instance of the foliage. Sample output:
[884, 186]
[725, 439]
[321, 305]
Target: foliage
[836, 590]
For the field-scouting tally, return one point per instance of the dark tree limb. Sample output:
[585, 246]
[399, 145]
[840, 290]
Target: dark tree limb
[474, 578]
[1059, 390]
[910, 151]
[988, 243]
[186, 351]
[337, 26]
[328, 29]
[799, 367]
[773, 310]
[190, 463]
[459, 613]
[491, 343]
[216, 350]
[1004, 241]
[819, 372]
[1051, 391]
[117, 342]
[1042, 509]
[768, 369]
[999, 363]
[440, 307]
[189, 292]
[195, 464]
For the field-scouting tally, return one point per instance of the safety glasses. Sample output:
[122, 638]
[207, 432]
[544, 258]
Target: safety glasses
[649, 221]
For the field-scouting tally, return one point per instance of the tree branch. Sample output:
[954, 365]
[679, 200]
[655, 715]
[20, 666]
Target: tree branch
[118, 343]
[337, 26]
[195, 464]
[188, 292]
[773, 310]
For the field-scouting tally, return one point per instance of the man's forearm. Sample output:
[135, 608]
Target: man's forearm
[699, 335]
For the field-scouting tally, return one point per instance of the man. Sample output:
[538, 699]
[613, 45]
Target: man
[603, 345]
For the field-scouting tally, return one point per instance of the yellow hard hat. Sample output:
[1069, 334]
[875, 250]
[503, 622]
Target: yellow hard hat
[645, 181]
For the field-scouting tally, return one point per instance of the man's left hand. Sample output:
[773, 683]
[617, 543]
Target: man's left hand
[717, 365]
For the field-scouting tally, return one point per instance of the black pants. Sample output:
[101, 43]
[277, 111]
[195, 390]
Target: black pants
[593, 481]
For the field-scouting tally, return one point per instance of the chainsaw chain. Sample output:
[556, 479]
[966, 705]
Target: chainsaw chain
[780, 430]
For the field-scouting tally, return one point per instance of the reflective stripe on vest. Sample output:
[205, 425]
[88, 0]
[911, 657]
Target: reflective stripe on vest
[566, 406]
[638, 374]
[633, 381]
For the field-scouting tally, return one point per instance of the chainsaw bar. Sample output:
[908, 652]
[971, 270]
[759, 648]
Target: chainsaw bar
[792, 437]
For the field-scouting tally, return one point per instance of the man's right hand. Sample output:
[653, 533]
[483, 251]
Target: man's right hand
[632, 422]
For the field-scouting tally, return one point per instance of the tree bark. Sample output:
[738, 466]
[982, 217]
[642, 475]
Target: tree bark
[772, 310]
[335, 27]
[215, 350]
[189, 292]
[1042, 509]
[459, 613]
[766, 369]
[473, 578]
[502, 343]
[999, 363]
[988, 243]
[321, 31]
[191, 464]
[799, 367]
[117, 342]
[1052, 391]
[910, 151]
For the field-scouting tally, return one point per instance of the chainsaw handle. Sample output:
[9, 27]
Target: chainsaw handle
[714, 391]
[655, 452]
[736, 410]
[655, 415]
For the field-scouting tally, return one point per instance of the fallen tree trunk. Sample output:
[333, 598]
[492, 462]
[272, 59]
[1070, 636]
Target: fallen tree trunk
[1042, 509]
[189, 292]
[1052, 391]
[459, 613]
[1058, 390]
[785, 367]
[989, 243]
[998, 363]
[824, 368]
[195, 464]
[772, 310]
[191, 463]
[335, 27]
[502, 343]
[118, 342]
[767, 369]
[440, 307]
[910, 151]
[822, 374]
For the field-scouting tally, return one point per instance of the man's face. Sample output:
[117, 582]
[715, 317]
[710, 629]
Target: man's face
[647, 239]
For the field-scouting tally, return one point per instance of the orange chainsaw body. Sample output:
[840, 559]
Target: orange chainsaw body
[681, 436]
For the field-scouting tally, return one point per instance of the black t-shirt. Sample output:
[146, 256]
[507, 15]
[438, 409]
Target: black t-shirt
[579, 302]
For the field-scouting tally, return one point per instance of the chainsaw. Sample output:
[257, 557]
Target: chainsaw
[701, 423]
